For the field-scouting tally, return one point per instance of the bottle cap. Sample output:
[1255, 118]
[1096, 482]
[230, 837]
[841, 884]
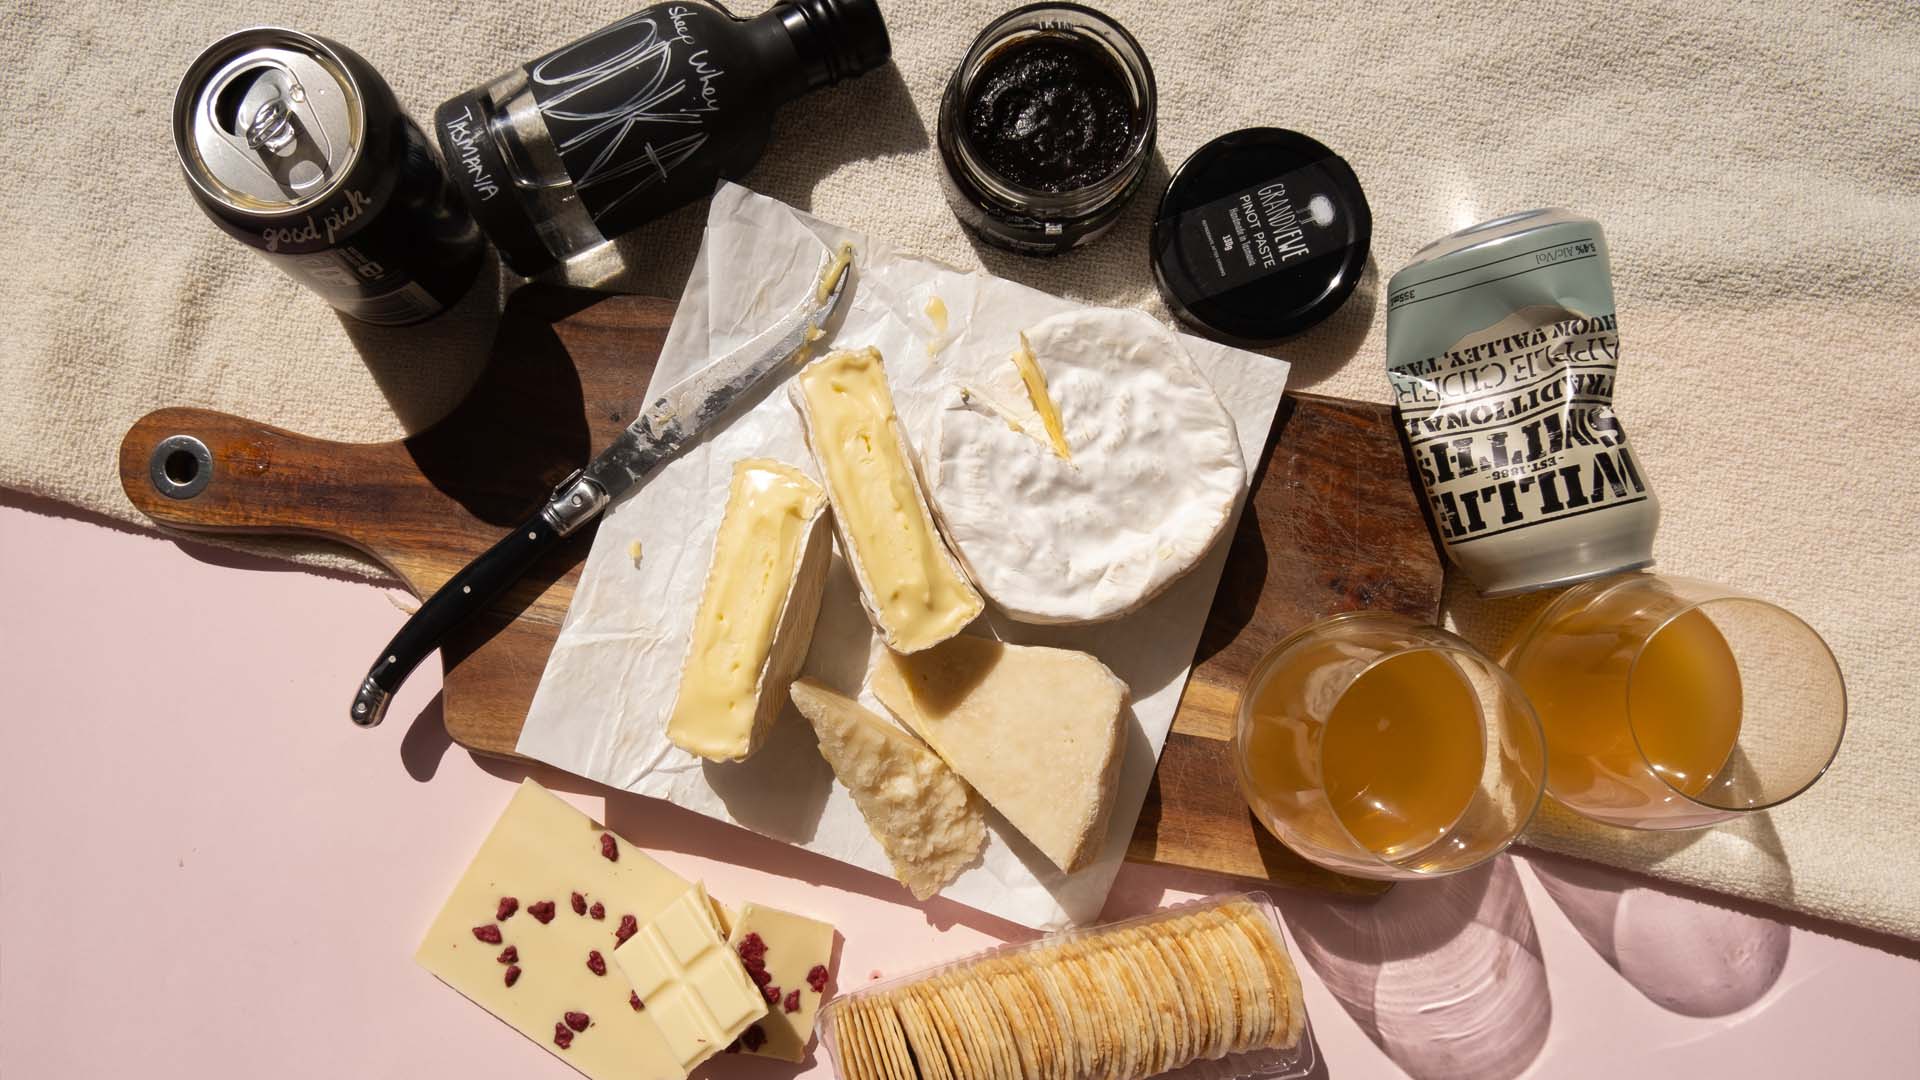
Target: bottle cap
[1261, 234]
[836, 39]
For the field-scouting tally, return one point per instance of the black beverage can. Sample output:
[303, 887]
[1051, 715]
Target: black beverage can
[295, 146]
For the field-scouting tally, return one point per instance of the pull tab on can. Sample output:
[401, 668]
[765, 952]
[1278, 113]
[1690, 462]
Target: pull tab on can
[274, 128]
[295, 146]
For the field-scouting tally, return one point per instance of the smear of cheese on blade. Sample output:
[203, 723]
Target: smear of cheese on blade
[756, 612]
[830, 277]
[1155, 475]
[1036, 731]
[516, 896]
[927, 820]
[913, 589]
[1036, 383]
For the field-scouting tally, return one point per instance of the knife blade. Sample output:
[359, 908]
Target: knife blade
[674, 419]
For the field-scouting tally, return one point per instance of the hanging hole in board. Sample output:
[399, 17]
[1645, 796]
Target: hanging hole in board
[180, 467]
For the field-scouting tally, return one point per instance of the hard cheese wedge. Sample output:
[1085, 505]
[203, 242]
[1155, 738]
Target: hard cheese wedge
[685, 978]
[532, 925]
[927, 820]
[788, 956]
[912, 587]
[1036, 731]
[756, 613]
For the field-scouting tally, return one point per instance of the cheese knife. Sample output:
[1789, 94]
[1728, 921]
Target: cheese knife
[689, 407]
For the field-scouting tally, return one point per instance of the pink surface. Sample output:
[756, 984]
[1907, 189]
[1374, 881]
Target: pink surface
[206, 871]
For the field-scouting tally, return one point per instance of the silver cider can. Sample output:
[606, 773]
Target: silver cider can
[1502, 350]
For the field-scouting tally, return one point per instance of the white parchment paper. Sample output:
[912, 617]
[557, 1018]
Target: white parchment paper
[603, 701]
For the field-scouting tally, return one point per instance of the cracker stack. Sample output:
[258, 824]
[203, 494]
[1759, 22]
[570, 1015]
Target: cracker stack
[1126, 1002]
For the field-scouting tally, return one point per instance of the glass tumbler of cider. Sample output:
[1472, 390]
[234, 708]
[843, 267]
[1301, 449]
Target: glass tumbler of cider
[1671, 703]
[1380, 747]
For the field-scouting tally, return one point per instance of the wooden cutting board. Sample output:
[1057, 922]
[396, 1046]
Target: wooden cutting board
[1334, 525]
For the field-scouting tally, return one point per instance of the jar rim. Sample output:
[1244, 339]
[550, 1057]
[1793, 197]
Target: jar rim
[1133, 66]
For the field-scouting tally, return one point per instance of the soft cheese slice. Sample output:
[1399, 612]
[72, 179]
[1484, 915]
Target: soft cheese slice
[912, 587]
[686, 979]
[790, 957]
[539, 855]
[1038, 732]
[1139, 483]
[757, 610]
[927, 820]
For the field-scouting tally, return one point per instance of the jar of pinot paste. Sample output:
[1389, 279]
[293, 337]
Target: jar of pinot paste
[1046, 128]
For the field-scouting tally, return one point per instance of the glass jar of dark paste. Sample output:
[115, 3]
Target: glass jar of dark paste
[1046, 128]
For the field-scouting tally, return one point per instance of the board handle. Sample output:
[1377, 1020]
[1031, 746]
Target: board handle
[205, 471]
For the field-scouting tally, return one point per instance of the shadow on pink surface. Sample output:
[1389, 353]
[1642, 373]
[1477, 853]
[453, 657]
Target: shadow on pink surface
[1444, 976]
[1695, 958]
[656, 825]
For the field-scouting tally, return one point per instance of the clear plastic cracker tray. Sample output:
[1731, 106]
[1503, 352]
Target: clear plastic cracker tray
[1284, 1063]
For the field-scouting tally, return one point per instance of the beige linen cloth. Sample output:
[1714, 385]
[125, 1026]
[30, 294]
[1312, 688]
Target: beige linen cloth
[1754, 164]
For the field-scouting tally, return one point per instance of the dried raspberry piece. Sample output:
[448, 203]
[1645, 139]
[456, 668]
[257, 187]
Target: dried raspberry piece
[488, 933]
[562, 1038]
[509, 955]
[577, 1021]
[508, 905]
[579, 904]
[753, 951]
[633, 999]
[598, 910]
[608, 849]
[596, 963]
[792, 1004]
[753, 1038]
[760, 976]
[772, 992]
[629, 926]
[513, 974]
[542, 910]
[817, 978]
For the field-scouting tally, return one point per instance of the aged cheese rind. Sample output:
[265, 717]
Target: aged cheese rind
[929, 822]
[757, 609]
[914, 590]
[1038, 732]
[1154, 475]
[542, 849]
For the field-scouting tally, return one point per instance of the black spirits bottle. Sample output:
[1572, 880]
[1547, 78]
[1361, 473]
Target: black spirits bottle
[568, 151]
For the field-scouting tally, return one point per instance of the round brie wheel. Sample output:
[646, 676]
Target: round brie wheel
[1152, 471]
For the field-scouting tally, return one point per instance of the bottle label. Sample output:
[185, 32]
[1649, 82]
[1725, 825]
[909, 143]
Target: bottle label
[630, 104]
[1277, 225]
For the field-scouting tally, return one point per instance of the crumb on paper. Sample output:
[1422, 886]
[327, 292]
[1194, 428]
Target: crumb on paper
[633, 552]
[937, 314]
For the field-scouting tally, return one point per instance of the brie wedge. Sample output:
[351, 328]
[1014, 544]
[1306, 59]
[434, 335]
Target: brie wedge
[1038, 732]
[914, 591]
[927, 820]
[756, 614]
[1089, 473]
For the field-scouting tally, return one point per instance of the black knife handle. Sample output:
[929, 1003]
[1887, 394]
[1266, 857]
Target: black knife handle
[465, 595]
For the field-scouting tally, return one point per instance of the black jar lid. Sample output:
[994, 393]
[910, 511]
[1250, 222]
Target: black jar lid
[1261, 234]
